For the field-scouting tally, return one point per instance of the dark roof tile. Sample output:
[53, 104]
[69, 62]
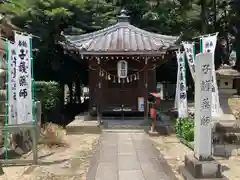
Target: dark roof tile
[121, 37]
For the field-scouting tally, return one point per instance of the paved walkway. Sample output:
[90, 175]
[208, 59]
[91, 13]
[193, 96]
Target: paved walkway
[128, 155]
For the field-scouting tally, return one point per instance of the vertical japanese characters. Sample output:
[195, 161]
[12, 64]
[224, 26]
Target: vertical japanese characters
[189, 49]
[24, 79]
[203, 106]
[177, 89]
[205, 94]
[181, 86]
[12, 60]
[209, 45]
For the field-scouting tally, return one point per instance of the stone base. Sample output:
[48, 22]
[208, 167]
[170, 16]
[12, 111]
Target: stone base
[195, 169]
[188, 176]
[153, 133]
[83, 127]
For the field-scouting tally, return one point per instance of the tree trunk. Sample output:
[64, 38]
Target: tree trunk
[203, 4]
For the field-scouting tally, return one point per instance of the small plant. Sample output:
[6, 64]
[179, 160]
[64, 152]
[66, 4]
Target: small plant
[185, 128]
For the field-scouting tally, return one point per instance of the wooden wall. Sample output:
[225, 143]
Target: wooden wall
[114, 94]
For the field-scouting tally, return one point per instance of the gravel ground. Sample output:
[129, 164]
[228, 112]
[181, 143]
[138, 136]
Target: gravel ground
[174, 153]
[234, 104]
[58, 163]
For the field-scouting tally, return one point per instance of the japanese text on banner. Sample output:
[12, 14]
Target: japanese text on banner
[181, 87]
[12, 104]
[24, 79]
[209, 45]
[190, 55]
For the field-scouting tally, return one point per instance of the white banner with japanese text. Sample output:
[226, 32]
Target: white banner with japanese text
[181, 87]
[209, 45]
[24, 78]
[176, 93]
[189, 49]
[12, 103]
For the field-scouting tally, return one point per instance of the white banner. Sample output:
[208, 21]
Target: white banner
[189, 49]
[24, 79]
[203, 104]
[176, 93]
[182, 88]
[12, 103]
[209, 45]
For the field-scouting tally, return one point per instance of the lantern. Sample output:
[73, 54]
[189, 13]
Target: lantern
[122, 69]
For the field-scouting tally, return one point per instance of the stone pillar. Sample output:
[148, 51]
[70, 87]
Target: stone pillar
[202, 165]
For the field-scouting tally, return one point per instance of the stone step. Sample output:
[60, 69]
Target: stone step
[233, 127]
[161, 128]
[124, 125]
[118, 118]
[124, 130]
[226, 150]
[83, 127]
[227, 132]
[227, 137]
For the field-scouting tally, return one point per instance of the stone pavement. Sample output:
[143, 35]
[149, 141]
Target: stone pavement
[128, 155]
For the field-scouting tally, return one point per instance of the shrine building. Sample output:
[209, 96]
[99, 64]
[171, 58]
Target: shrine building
[122, 61]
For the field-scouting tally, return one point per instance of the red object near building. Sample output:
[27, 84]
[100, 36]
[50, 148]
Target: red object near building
[153, 113]
[157, 98]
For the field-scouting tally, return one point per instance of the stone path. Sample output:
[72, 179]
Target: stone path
[128, 155]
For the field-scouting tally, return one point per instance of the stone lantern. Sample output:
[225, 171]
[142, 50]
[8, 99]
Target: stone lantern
[225, 78]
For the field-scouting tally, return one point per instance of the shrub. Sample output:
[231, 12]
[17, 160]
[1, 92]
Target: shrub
[53, 135]
[49, 95]
[185, 128]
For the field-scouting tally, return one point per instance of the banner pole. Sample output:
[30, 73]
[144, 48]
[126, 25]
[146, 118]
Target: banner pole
[6, 106]
[201, 48]
[34, 131]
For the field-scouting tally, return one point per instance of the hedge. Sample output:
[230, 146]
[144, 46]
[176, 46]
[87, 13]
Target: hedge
[49, 95]
[185, 128]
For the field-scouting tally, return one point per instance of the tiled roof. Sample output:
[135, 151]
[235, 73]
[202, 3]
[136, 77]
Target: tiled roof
[121, 38]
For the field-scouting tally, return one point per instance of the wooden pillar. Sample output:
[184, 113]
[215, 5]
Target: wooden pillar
[99, 93]
[146, 91]
[154, 80]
